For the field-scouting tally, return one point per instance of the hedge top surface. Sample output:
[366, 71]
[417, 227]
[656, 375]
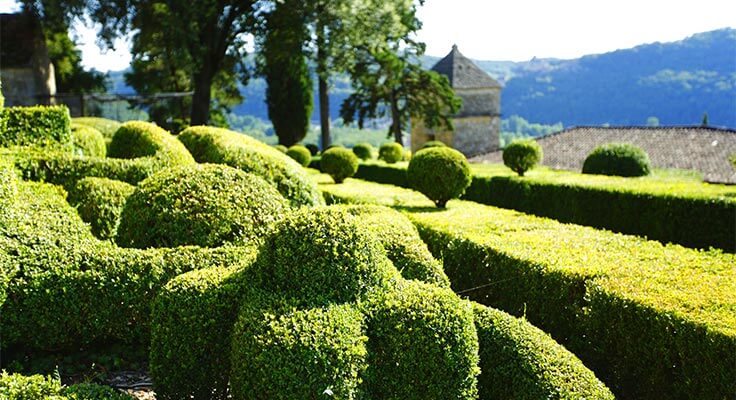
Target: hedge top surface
[36, 125]
[356, 191]
[107, 127]
[622, 159]
[136, 139]
[206, 205]
[222, 146]
[440, 173]
[319, 256]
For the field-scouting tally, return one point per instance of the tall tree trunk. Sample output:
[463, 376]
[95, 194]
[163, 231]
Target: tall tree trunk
[396, 119]
[202, 96]
[324, 96]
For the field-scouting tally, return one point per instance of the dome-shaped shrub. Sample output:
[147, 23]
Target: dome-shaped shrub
[391, 152]
[364, 151]
[202, 204]
[422, 344]
[306, 354]
[300, 154]
[100, 202]
[621, 159]
[522, 155]
[440, 173]
[433, 143]
[281, 148]
[106, 126]
[88, 141]
[322, 255]
[339, 163]
[136, 139]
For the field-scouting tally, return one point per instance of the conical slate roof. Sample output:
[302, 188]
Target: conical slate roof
[463, 73]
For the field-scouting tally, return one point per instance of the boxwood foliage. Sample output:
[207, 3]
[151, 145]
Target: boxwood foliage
[33, 387]
[364, 151]
[440, 173]
[135, 139]
[622, 159]
[38, 125]
[221, 146]
[107, 127]
[298, 354]
[99, 202]
[422, 344]
[88, 141]
[391, 152]
[300, 154]
[520, 361]
[522, 155]
[72, 290]
[401, 240]
[206, 205]
[339, 163]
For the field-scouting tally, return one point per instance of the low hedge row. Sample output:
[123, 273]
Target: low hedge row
[99, 202]
[693, 215]
[39, 125]
[20, 387]
[221, 146]
[653, 320]
[70, 289]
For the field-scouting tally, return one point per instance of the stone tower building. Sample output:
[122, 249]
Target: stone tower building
[478, 122]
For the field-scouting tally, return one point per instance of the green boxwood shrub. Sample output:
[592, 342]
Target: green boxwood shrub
[422, 344]
[520, 361]
[107, 127]
[88, 141]
[300, 354]
[36, 387]
[206, 205]
[135, 139]
[38, 125]
[321, 256]
[391, 152]
[300, 154]
[621, 159]
[340, 163]
[440, 173]
[364, 151]
[401, 240]
[522, 155]
[281, 148]
[100, 202]
[221, 146]
[433, 143]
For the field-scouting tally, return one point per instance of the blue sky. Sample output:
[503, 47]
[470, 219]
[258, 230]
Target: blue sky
[518, 30]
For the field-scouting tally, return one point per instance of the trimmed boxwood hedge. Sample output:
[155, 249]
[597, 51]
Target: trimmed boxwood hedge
[339, 163]
[88, 141]
[391, 152]
[652, 320]
[107, 127]
[221, 146]
[206, 205]
[520, 361]
[300, 154]
[136, 139]
[99, 202]
[401, 240]
[38, 125]
[621, 159]
[36, 387]
[440, 173]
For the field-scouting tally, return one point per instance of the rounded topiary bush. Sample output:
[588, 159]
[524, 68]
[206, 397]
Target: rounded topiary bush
[281, 148]
[203, 204]
[433, 143]
[106, 126]
[621, 159]
[100, 202]
[391, 152]
[88, 141]
[522, 155]
[320, 256]
[422, 344]
[440, 173]
[305, 354]
[364, 151]
[300, 154]
[136, 139]
[313, 148]
[339, 163]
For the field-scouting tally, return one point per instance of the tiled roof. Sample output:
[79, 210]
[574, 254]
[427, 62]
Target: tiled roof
[463, 73]
[698, 148]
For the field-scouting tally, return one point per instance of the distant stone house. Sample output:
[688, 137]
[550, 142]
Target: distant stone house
[25, 69]
[478, 123]
[698, 148]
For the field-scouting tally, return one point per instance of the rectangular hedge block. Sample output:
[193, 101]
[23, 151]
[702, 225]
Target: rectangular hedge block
[38, 125]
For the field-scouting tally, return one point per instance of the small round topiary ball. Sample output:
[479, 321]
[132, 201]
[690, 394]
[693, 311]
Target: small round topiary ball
[340, 163]
[620, 159]
[364, 151]
[391, 152]
[440, 173]
[433, 143]
[281, 148]
[204, 205]
[522, 155]
[300, 154]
